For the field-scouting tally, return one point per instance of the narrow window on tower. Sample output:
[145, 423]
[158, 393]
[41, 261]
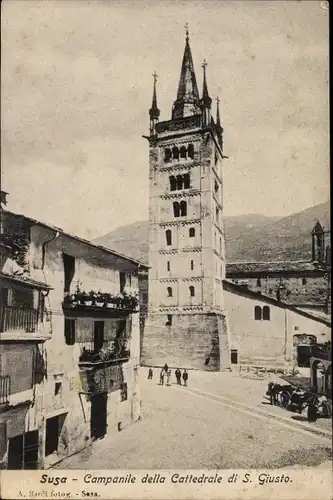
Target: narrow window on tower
[192, 265]
[183, 208]
[167, 154]
[168, 265]
[176, 209]
[179, 182]
[192, 291]
[258, 282]
[169, 290]
[169, 320]
[175, 153]
[173, 183]
[220, 246]
[191, 232]
[216, 187]
[183, 153]
[186, 181]
[190, 151]
[168, 237]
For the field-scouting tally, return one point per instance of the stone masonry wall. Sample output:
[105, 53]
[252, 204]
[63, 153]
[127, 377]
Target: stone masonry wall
[193, 341]
[297, 290]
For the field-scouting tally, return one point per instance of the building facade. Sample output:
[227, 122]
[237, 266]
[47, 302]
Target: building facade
[304, 284]
[87, 367]
[186, 324]
[267, 332]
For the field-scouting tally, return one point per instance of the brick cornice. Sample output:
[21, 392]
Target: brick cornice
[180, 166]
[179, 222]
[182, 194]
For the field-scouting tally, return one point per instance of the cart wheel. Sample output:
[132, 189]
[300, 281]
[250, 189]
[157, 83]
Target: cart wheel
[285, 398]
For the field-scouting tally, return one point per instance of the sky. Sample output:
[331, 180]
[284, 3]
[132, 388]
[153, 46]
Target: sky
[77, 86]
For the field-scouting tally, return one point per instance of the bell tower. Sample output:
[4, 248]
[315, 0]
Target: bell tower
[186, 325]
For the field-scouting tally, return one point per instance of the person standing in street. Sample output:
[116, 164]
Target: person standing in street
[162, 376]
[150, 373]
[168, 376]
[178, 376]
[166, 368]
[185, 377]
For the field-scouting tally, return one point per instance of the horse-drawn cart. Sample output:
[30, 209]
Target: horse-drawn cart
[296, 396]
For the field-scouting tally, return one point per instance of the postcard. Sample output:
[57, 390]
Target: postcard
[165, 280]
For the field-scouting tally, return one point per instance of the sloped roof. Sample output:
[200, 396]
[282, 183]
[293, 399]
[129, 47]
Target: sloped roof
[254, 268]
[77, 238]
[23, 280]
[246, 292]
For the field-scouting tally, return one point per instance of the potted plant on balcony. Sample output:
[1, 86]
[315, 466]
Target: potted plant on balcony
[89, 298]
[119, 300]
[69, 300]
[83, 298]
[99, 300]
[110, 301]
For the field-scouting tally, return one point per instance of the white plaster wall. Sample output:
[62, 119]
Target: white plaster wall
[272, 338]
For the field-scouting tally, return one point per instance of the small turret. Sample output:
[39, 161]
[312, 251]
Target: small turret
[206, 101]
[154, 112]
[218, 122]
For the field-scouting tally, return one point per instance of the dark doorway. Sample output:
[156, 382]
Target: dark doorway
[98, 335]
[303, 355]
[23, 451]
[15, 453]
[234, 356]
[54, 427]
[98, 419]
[69, 271]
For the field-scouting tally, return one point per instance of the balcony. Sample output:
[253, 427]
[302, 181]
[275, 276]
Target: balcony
[99, 304]
[20, 318]
[112, 351]
[102, 380]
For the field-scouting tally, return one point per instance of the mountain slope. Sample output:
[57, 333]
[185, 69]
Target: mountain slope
[249, 237]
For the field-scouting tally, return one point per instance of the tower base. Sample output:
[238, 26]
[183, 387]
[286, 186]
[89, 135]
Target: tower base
[192, 341]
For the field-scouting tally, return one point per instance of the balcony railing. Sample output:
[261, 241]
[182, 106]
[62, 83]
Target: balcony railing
[4, 389]
[101, 303]
[19, 318]
[111, 351]
[106, 379]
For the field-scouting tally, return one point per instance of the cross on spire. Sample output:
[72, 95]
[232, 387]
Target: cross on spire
[186, 31]
[154, 112]
[205, 95]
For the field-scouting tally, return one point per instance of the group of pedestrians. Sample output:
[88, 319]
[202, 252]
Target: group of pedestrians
[166, 373]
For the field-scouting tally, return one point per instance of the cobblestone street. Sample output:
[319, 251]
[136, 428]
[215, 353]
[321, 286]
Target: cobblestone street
[191, 428]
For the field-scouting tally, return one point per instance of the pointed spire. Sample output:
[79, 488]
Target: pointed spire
[154, 112]
[218, 119]
[206, 100]
[187, 102]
